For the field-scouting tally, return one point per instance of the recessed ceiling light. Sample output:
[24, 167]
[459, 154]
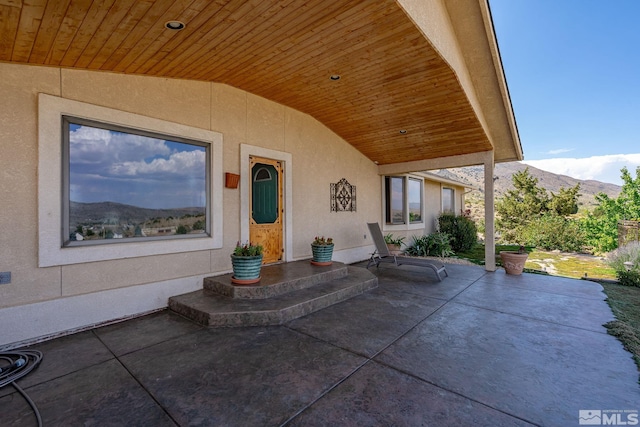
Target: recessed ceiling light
[375, 161]
[174, 25]
[335, 77]
[403, 132]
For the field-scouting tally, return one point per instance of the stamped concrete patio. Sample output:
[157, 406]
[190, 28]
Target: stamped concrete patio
[478, 348]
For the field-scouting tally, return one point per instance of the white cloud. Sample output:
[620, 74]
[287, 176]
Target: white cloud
[180, 163]
[137, 170]
[91, 145]
[559, 151]
[600, 168]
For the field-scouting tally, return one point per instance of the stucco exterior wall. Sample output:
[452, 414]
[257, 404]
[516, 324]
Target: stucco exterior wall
[319, 157]
[45, 301]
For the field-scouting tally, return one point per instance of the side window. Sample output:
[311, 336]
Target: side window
[448, 200]
[403, 200]
[414, 199]
[394, 192]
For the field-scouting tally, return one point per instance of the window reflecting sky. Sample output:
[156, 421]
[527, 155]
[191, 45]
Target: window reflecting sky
[107, 165]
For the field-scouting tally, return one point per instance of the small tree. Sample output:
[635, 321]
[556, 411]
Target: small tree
[565, 202]
[528, 208]
[520, 205]
[601, 225]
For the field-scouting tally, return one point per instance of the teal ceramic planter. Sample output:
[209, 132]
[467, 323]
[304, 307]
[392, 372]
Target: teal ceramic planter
[246, 269]
[321, 254]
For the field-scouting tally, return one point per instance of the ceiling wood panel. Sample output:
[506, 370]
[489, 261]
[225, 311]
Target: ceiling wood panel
[392, 78]
[91, 21]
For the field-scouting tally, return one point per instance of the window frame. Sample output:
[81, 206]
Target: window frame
[51, 251]
[406, 224]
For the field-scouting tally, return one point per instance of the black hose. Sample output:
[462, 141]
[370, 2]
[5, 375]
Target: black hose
[18, 364]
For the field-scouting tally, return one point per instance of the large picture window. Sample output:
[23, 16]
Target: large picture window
[115, 185]
[125, 184]
[403, 200]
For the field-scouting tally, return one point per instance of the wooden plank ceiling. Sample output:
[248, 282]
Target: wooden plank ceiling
[391, 77]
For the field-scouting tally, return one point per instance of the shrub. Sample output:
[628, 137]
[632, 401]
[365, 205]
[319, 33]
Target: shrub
[390, 240]
[462, 231]
[629, 274]
[434, 244]
[629, 278]
[551, 231]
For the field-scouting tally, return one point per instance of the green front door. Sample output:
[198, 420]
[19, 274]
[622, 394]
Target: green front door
[264, 193]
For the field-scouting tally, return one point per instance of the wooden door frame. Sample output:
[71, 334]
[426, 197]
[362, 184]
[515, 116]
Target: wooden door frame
[247, 151]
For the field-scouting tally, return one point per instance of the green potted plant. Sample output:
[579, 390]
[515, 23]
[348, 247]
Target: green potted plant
[393, 244]
[513, 261]
[322, 250]
[246, 261]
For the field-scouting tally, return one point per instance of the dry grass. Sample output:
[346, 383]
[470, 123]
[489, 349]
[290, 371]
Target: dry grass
[625, 304]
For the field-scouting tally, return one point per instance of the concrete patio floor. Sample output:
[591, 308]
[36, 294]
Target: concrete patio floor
[477, 349]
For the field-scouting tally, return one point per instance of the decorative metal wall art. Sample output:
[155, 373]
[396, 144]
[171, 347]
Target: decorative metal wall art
[343, 196]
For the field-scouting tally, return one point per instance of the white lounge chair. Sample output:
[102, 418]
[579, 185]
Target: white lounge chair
[382, 254]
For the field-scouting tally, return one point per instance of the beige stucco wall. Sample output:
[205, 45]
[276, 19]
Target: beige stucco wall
[319, 157]
[433, 195]
[43, 301]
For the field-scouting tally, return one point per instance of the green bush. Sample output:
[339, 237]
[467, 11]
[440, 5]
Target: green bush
[629, 278]
[434, 244]
[462, 231]
[390, 240]
[551, 232]
[628, 274]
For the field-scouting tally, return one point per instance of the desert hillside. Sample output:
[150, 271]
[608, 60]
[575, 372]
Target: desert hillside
[474, 175]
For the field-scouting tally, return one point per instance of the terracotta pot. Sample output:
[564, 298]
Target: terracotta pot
[513, 262]
[394, 249]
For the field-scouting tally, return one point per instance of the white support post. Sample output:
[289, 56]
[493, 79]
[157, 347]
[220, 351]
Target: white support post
[489, 214]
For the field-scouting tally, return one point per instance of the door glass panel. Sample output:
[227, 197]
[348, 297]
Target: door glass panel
[264, 194]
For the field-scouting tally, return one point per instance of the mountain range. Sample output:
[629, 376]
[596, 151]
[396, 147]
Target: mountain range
[118, 213]
[474, 176]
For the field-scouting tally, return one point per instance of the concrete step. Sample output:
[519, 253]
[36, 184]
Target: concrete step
[277, 280]
[212, 309]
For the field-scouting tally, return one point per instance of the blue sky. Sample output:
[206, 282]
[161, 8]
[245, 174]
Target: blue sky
[573, 70]
[134, 169]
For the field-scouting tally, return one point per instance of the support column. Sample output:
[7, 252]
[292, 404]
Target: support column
[489, 214]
